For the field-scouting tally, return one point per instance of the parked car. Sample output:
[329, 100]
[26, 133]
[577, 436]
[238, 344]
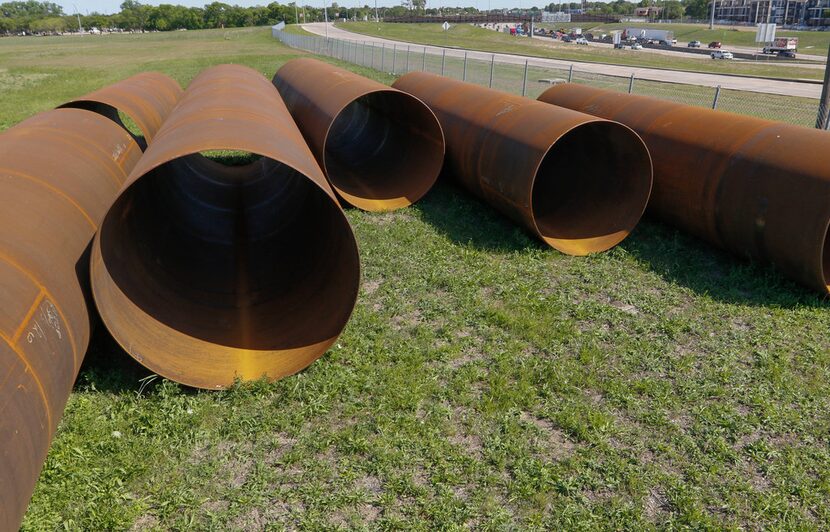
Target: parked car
[636, 46]
[787, 53]
[674, 41]
[693, 44]
[619, 46]
[714, 44]
[581, 40]
[566, 38]
[722, 54]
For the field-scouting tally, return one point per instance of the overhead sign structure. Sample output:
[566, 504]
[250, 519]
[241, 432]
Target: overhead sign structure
[765, 33]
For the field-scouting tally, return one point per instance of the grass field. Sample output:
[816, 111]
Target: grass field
[472, 37]
[484, 380]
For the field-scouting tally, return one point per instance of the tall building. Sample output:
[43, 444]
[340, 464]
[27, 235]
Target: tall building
[789, 12]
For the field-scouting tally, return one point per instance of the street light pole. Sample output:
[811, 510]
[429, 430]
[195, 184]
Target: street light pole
[326, 15]
[377, 19]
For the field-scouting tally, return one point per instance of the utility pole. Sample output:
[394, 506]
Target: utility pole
[326, 15]
[712, 20]
[296, 17]
[377, 19]
[824, 102]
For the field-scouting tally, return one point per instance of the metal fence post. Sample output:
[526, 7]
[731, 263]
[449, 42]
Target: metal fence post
[524, 81]
[822, 121]
[424, 63]
[364, 54]
[394, 56]
[373, 55]
[492, 66]
[464, 72]
[443, 59]
[407, 58]
[717, 95]
[382, 55]
[631, 83]
[571, 73]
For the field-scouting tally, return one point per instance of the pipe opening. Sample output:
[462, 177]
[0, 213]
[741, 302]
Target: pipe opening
[251, 257]
[384, 150]
[114, 114]
[230, 157]
[591, 188]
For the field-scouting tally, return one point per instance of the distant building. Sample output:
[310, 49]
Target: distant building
[783, 12]
[648, 12]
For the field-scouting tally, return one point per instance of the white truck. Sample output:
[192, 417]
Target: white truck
[782, 44]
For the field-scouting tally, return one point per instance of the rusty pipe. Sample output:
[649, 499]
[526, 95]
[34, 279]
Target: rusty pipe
[206, 273]
[59, 172]
[754, 187]
[380, 148]
[578, 182]
[146, 98]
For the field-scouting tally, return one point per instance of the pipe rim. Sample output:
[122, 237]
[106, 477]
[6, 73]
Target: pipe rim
[594, 244]
[414, 193]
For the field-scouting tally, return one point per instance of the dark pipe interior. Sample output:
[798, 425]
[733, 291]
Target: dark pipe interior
[252, 256]
[384, 145]
[592, 184]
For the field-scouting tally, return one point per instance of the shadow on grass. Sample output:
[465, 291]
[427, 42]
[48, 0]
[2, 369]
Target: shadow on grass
[675, 256]
[707, 270]
[464, 219]
[108, 368]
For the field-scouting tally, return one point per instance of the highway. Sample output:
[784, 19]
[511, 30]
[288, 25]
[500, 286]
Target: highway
[763, 85]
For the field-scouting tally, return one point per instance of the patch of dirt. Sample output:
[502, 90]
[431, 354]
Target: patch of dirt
[145, 522]
[370, 484]
[656, 505]
[239, 461]
[555, 440]
[469, 443]
[214, 507]
[369, 287]
[281, 445]
[625, 307]
[257, 519]
[406, 321]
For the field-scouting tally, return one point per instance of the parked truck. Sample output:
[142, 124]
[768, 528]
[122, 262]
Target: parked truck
[782, 44]
[644, 35]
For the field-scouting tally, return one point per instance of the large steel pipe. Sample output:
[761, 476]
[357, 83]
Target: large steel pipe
[380, 148]
[59, 172]
[145, 98]
[757, 188]
[206, 273]
[578, 182]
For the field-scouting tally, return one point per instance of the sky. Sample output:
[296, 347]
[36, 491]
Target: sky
[111, 6]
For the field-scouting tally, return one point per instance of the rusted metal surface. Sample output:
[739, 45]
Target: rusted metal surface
[578, 182]
[380, 148]
[757, 188]
[59, 172]
[205, 273]
[146, 98]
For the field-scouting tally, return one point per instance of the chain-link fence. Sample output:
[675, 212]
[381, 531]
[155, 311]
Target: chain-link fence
[530, 77]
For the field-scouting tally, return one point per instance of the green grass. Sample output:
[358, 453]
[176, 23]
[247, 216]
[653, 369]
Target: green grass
[472, 37]
[484, 380]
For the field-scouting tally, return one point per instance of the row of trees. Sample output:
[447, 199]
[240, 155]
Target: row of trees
[32, 16]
